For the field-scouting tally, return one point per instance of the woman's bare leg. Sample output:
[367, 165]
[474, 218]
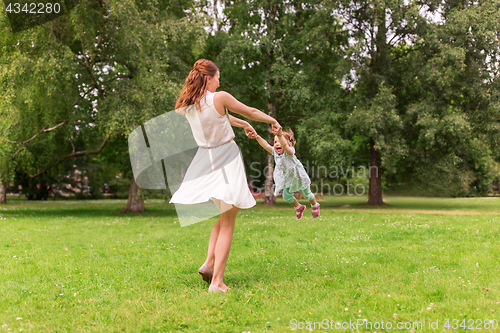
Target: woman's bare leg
[223, 246]
[211, 245]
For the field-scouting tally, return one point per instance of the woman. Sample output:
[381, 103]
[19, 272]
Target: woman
[225, 182]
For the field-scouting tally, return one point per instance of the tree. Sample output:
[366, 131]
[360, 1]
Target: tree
[97, 73]
[263, 58]
[6, 172]
[421, 87]
[462, 97]
[377, 29]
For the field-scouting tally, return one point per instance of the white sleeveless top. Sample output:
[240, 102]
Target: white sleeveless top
[210, 129]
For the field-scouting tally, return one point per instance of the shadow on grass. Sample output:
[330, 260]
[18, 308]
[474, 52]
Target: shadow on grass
[113, 208]
[327, 202]
[86, 211]
[393, 203]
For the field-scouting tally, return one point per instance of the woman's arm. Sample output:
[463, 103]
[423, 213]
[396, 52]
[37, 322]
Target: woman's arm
[242, 124]
[262, 142]
[237, 122]
[225, 100]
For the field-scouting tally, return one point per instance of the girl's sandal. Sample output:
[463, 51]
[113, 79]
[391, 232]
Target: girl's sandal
[315, 211]
[300, 211]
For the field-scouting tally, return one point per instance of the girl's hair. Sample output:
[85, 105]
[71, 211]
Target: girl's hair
[288, 134]
[196, 85]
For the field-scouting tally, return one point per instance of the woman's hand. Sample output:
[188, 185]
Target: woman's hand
[276, 127]
[250, 131]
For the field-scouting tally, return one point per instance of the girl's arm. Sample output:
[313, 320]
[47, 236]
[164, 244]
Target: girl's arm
[242, 124]
[225, 100]
[262, 142]
[284, 144]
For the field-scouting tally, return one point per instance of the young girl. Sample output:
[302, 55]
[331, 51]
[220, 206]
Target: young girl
[289, 174]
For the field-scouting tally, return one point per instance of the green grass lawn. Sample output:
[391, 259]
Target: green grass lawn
[83, 266]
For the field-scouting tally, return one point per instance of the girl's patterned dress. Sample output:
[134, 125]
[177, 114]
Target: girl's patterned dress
[289, 173]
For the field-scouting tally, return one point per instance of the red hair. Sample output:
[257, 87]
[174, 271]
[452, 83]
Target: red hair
[196, 84]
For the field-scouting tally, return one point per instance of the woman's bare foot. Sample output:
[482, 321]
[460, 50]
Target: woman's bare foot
[218, 289]
[223, 287]
[205, 273]
[210, 265]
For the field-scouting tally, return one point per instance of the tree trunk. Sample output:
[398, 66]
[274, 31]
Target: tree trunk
[133, 204]
[272, 102]
[269, 198]
[3, 194]
[379, 67]
[375, 181]
[216, 15]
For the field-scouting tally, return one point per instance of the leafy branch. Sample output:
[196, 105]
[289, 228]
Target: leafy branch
[43, 130]
[61, 159]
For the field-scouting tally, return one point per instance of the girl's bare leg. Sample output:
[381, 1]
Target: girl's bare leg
[295, 203]
[223, 246]
[313, 201]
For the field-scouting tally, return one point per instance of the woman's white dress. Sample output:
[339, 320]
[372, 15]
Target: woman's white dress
[217, 171]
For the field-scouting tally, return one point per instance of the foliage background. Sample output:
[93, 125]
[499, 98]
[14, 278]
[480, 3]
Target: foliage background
[416, 82]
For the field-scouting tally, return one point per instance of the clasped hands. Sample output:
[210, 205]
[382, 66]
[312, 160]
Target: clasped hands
[252, 134]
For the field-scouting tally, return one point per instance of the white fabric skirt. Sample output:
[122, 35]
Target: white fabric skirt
[216, 174]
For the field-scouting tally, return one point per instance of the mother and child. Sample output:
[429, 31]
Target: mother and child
[211, 125]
